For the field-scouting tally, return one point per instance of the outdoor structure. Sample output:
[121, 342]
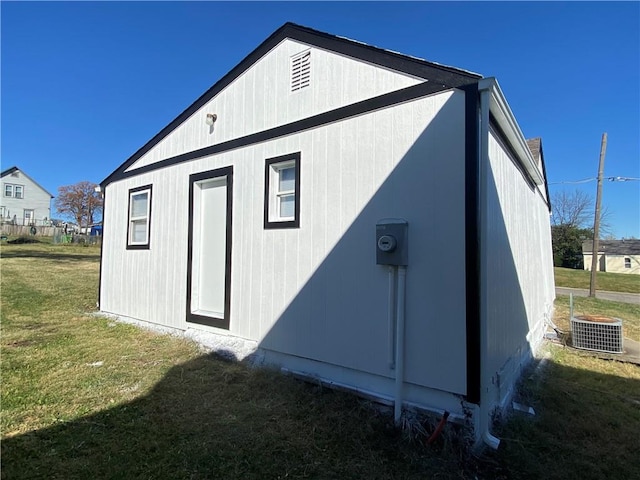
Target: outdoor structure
[24, 202]
[347, 213]
[616, 256]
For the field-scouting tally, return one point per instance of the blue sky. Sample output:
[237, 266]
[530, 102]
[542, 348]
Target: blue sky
[84, 85]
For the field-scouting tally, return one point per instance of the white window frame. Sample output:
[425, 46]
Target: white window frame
[627, 262]
[131, 220]
[8, 188]
[16, 189]
[273, 194]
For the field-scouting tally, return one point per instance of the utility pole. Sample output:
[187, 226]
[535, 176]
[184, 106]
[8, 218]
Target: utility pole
[596, 221]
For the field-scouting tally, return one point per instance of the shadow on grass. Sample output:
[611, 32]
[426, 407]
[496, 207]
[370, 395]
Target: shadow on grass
[211, 418]
[56, 256]
[587, 424]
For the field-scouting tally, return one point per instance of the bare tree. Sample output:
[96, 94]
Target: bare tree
[572, 208]
[80, 202]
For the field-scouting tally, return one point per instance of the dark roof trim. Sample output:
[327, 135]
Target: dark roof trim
[445, 77]
[355, 109]
[9, 171]
[544, 175]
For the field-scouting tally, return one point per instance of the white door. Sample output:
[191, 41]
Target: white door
[209, 267]
[28, 217]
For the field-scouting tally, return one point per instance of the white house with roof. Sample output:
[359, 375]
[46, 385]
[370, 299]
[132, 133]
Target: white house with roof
[348, 213]
[615, 256]
[24, 201]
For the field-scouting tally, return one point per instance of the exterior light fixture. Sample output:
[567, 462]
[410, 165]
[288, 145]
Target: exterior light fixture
[211, 118]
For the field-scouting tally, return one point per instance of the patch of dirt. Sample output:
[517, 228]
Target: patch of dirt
[20, 343]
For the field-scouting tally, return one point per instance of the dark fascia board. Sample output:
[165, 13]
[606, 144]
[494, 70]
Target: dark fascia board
[544, 176]
[9, 171]
[446, 77]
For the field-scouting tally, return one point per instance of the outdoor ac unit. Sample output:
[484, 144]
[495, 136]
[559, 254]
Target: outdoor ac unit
[597, 333]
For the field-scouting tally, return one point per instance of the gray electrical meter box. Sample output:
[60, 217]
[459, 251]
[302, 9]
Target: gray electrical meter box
[392, 239]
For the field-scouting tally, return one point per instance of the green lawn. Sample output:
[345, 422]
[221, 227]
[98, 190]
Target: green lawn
[612, 282]
[86, 397]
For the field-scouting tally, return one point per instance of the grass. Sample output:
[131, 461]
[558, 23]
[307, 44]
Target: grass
[612, 282]
[586, 425]
[86, 397]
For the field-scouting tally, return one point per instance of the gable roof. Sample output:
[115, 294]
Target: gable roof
[438, 75]
[13, 169]
[614, 247]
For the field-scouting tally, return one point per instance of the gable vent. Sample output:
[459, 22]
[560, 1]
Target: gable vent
[300, 70]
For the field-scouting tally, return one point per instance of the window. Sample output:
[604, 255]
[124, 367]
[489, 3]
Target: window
[2, 212]
[627, 262]
[301, 70]
[138, 228]
[11, 190]
[282, 192]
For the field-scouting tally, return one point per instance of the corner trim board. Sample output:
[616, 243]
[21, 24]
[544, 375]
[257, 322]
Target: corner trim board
[472, 242]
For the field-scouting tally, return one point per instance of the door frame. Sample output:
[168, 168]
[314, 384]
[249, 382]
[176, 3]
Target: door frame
[193, 179]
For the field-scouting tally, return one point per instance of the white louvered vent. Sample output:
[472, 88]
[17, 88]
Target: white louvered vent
[300, 70]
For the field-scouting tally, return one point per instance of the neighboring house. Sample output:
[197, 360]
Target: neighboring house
[24, 201]
[257, 216]
[616, 256]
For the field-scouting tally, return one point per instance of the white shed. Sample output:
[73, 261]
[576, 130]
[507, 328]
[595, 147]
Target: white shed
[252, 218]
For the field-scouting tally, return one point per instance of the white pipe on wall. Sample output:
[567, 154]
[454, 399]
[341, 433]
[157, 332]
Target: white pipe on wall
[402, 278]
[391, 316]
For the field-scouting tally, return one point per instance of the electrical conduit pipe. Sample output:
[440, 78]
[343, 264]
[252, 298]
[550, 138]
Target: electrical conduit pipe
[402, 278]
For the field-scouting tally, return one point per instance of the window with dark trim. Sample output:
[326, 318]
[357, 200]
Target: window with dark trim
[282, 191]
[139, 218]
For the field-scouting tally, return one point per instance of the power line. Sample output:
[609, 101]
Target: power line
[574, 181]
[586, 180]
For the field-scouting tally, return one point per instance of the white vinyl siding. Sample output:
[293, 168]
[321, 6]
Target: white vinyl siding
[20, 193]
[261, 98]
[298, 290]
